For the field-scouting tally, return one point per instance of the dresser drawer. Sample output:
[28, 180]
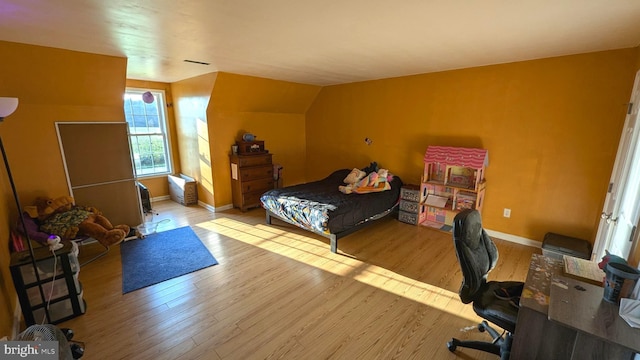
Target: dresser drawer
[251, 199]
[251, 176]
[256, 172]
[254, 160]
[257, 185]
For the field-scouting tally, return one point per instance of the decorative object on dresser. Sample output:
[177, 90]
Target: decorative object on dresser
[412, 210]
[452, 181]
[251, 176]
[249, 145]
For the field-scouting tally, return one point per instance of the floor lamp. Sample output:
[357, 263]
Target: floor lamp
[7, 106]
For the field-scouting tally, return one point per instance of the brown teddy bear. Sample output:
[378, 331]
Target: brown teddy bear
[62, 217]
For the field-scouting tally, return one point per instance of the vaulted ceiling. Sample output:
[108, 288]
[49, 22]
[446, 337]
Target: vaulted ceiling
[320, 42]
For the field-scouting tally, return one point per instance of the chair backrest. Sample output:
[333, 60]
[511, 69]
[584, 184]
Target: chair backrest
[476, 253]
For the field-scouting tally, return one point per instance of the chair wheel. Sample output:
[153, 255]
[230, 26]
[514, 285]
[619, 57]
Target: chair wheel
[77, 351]
[451, 346]
[68, 333]
[483, 326]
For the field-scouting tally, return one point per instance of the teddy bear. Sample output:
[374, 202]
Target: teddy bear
[60, 216]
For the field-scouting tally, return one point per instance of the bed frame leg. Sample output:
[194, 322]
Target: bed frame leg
[268, 218]
[334, 244]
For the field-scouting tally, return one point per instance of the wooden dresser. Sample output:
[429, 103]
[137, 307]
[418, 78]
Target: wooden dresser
[251, 176]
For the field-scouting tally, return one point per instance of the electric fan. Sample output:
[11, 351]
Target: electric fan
[49, 332]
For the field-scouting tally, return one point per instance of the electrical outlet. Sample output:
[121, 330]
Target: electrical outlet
[506, 213]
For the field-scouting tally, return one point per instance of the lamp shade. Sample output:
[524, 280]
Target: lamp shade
[7, 106]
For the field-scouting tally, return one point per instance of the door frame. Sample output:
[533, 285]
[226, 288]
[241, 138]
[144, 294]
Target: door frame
[629, 141]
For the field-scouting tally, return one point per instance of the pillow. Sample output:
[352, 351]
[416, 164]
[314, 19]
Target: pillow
[354, 176]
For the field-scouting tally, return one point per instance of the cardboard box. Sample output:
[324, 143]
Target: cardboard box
[183, 189]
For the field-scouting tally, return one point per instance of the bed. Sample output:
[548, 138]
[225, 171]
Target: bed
[319, 207]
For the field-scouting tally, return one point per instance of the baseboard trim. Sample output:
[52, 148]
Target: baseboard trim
[201, 203]
[215, 209]
[514, 238]
[224, 207]
[206, 206]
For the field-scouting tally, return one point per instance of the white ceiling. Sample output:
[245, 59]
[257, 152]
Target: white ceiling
[320, 42]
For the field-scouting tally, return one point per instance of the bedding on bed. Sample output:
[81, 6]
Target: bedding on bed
[319, 206]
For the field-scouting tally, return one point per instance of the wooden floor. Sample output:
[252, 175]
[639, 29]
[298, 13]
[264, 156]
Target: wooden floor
[279, 293]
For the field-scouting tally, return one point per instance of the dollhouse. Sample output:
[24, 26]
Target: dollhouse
[453, 180]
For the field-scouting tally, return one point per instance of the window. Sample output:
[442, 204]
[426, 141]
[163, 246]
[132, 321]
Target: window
[148, 132]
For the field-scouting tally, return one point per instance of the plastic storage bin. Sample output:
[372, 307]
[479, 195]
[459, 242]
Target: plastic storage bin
[45, 267]
[60, 310]
[556, 245]
[59, 290]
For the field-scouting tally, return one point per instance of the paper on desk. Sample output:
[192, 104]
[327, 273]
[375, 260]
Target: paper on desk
[585, 270]
[630, 311]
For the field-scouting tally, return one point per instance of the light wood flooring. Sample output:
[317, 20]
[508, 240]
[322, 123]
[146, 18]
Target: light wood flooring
[279, 293]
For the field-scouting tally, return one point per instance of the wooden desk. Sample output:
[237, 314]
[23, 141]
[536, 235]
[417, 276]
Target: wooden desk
[558, 323]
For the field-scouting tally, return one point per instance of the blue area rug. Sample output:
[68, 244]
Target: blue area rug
[162, 256]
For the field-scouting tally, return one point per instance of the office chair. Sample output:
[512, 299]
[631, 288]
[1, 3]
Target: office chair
[477, 255]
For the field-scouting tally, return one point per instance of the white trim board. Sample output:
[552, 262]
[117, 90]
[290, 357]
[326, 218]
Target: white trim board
[221, 208]
[158, 198]
[514, 238]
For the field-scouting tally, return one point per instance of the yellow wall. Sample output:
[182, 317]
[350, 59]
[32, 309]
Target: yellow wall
[52, 85]
[158, 185]
[272, 110]
[214, 110]
[191, 100]
[551, 127]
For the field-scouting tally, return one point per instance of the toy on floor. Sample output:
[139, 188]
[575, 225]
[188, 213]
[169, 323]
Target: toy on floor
[63, 218]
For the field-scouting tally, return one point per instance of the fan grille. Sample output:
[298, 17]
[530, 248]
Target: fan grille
[47, 332]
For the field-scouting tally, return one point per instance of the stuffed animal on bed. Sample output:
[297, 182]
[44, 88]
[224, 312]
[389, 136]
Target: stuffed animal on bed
[360, 183]
[62, 217]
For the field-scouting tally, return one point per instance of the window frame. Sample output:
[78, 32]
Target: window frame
[163, 122]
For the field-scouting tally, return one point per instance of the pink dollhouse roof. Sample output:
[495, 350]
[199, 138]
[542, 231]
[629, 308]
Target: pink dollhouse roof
[457, 156]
